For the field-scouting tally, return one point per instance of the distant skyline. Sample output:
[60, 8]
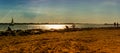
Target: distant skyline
[60, 11]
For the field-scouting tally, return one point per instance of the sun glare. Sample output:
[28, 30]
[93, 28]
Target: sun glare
[55, 26]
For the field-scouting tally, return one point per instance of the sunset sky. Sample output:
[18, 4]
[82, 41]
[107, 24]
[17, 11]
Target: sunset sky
[57, 11]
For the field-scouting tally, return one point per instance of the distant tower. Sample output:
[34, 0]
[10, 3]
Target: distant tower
[12, 22]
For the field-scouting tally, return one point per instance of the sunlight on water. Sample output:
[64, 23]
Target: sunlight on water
[54, 26]
[48, 26]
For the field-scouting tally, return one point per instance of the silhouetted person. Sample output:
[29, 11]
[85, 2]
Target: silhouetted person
[67, 27]
[114, 24]
[73, 25]
[10, 32]
[117, 24]
[9, 29]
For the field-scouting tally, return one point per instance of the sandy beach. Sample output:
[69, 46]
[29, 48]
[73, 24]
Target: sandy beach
[85, 41]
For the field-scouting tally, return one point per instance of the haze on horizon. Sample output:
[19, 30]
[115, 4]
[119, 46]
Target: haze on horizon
[60, 11]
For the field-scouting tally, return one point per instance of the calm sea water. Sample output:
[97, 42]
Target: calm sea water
[51, 26]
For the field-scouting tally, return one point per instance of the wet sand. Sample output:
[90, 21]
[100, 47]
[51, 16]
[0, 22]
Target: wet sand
[85, 41]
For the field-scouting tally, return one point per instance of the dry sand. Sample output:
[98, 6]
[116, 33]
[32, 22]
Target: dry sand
[86, 41]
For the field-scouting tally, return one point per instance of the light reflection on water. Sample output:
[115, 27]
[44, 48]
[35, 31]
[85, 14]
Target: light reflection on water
[50, 26]
[54, 26]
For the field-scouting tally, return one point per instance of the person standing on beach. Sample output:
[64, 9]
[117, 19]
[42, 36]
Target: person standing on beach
[114, 24]
[9, 29]
[117, 24]
[73, 26]
[67, 27]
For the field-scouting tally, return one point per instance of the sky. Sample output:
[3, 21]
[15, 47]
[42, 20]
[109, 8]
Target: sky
[60, 11]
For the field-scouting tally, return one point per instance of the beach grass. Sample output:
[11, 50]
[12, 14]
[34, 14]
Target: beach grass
[86, 41]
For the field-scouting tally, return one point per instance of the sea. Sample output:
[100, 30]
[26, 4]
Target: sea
[51, 26]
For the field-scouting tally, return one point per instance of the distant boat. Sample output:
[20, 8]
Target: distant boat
[12, 23]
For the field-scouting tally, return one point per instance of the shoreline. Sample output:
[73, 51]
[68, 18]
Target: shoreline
[40, 31]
